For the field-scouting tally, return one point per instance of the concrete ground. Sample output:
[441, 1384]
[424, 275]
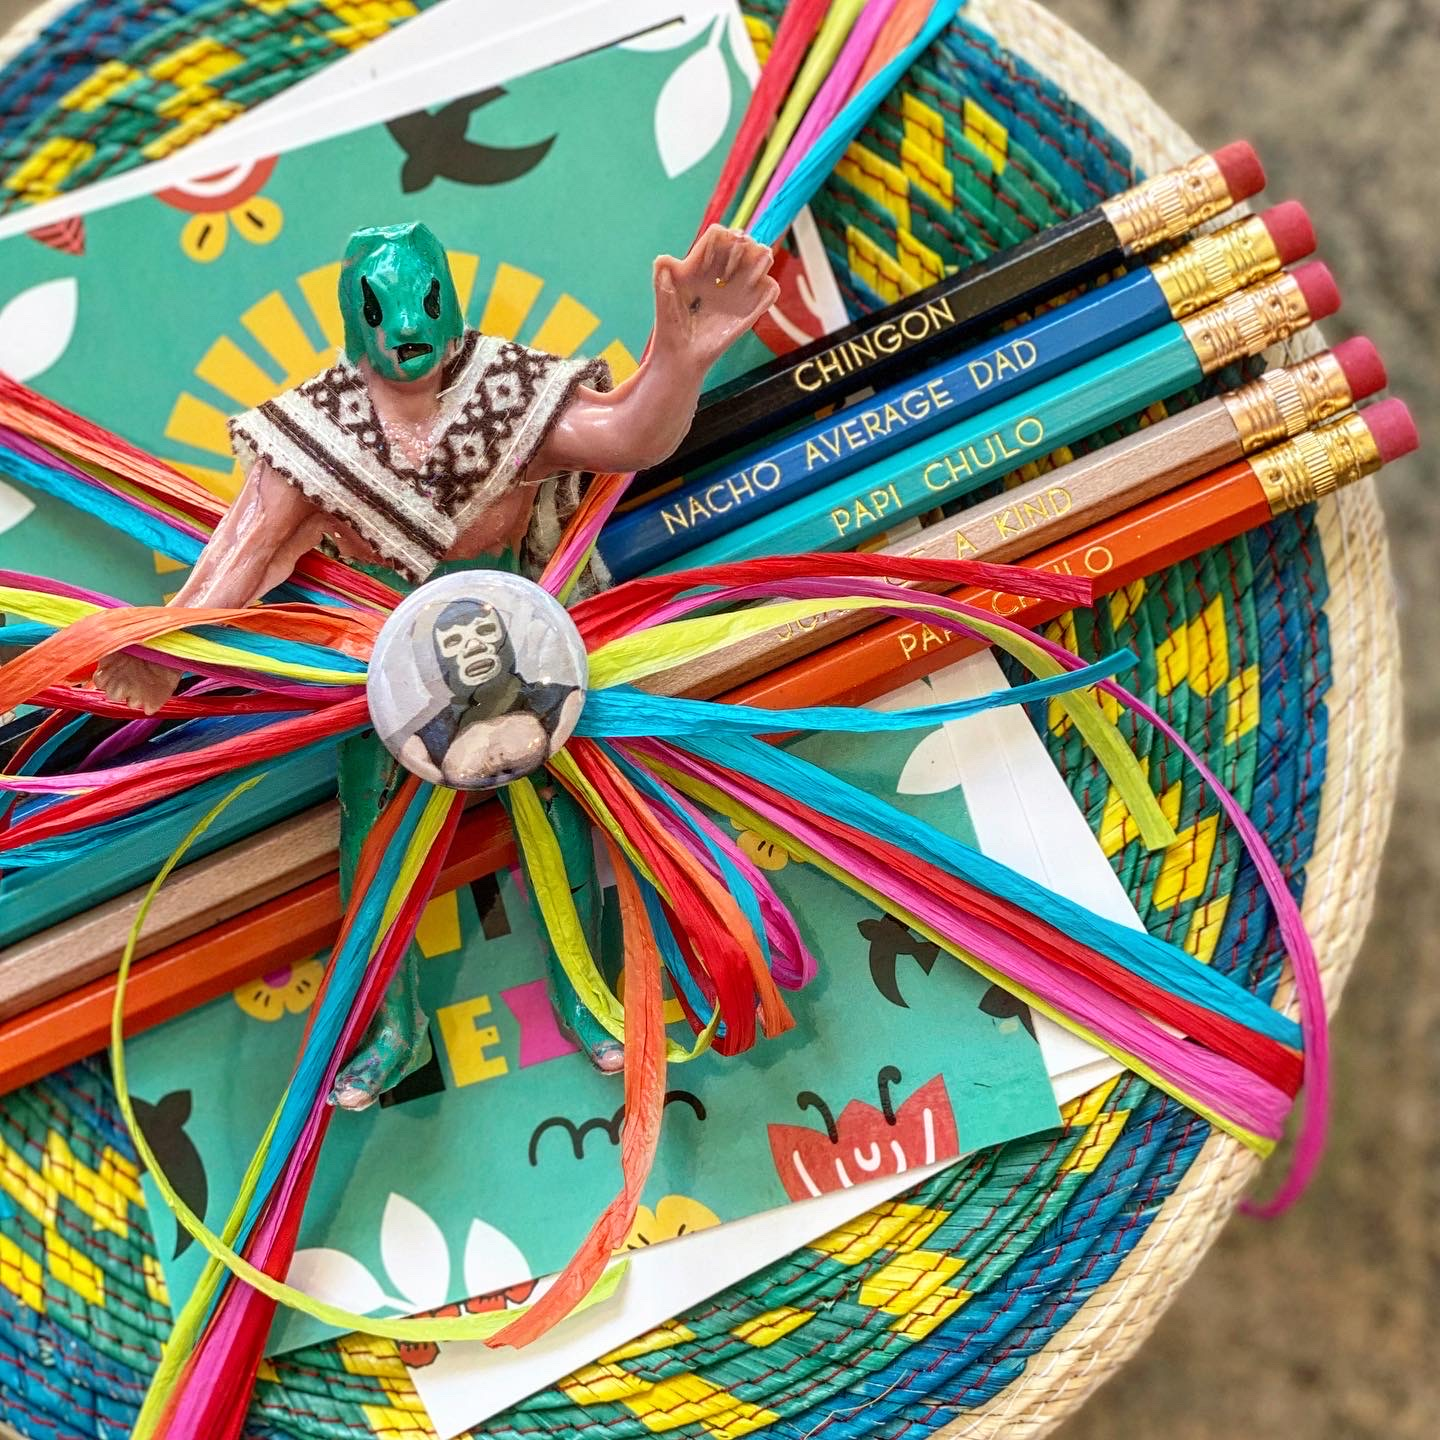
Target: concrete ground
[1322, 1326]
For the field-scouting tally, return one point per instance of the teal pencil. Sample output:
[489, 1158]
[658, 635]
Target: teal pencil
[986, 446]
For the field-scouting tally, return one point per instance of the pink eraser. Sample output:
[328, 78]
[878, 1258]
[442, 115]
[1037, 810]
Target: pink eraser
[1240, 165]
[1361, 365]
[1317, 285]
[1393, 427]
[1290, 229]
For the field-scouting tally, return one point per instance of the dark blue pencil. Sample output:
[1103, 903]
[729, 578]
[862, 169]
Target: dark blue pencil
[711, 505]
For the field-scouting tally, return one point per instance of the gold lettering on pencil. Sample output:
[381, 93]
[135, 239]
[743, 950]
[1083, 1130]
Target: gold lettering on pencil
[908, 642]
[852, 436]
[1030, 431]
[886, 338]
[1060, 500]
[697, 510]
[1099, 559]
[971, 460]
[963, 545]
[1006, 360]
[1034, 511]
[914, 325]
[674, 517]
[872, 424]
[1005, 524]
[742, 490]
[840, 519]
[893, 417]
[720, 488]
[812, 455]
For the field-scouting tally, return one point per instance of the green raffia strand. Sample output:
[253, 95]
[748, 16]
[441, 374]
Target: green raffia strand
[987, 1212]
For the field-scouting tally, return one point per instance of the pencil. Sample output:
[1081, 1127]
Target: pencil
[1017, 522]
[785, 468]
[1161, 532]
[1164, 530]
[876, 349]
[1003, 437]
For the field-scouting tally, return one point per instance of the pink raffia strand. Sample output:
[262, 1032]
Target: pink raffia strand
[1214, 1081]
[793, 965]
[831, 97]
[1309, 988]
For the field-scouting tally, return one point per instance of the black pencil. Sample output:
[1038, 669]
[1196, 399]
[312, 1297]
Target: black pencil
[882, 346]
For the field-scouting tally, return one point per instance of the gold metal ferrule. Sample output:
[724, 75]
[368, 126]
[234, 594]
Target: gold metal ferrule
[1283, 402]
[1216, 265]
[1246, 322]
[1166, 206]
[1316, 463]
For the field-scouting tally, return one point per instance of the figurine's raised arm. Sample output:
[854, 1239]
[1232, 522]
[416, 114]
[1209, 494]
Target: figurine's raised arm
[254, 548]
[703, 304]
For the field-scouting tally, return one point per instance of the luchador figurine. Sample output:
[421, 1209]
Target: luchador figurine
[428, 447]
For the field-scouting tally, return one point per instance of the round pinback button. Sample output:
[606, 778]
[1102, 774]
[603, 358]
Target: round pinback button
[477, 679]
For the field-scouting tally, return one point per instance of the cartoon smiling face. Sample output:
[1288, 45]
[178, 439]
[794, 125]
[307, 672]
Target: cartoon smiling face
[866, 1142]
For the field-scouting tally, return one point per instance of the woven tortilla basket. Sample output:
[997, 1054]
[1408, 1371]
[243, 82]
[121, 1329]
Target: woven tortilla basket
[992, 1299]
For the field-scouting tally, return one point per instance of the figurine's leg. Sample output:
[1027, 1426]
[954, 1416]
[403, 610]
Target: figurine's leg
[572, 830]
[398, 1039]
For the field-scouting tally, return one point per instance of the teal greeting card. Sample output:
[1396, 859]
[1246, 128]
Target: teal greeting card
[487, 1169]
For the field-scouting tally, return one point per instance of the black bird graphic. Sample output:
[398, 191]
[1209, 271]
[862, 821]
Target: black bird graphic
[1002, 1005]
[163, 1126]
[889, 940]
[436, 146]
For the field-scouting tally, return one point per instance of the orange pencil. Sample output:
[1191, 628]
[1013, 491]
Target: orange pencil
[1163, 531]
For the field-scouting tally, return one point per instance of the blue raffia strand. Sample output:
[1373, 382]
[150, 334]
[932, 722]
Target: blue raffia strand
[1149, 957]
[622, 711]
[346, 971]
[735, 880]
[815, 166]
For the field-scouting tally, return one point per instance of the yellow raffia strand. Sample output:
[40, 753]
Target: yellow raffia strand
[818, 62]
[188, 1324]
[546, 869]
[63, 610]
[564, 766]
[735, 810]
[648, 652]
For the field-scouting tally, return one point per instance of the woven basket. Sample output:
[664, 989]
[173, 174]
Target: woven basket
[995, 1297]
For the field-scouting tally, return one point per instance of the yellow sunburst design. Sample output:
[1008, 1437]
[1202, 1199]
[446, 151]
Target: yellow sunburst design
[288, 340]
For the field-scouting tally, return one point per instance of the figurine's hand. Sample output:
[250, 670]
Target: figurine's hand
[494, 751]
[141, 684]
[708, 300]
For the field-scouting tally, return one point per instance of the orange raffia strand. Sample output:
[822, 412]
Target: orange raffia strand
[74, 651]
[644, 1105]
[774, 1013]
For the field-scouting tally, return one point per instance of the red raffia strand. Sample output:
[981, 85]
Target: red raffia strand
[626, 607]
[1254, 1102]
[83, 699]
[232, 1346]
[158, 778]
[1268, 1058]
[707, 913]
[74, 651]
[34, 415]
[792, 39]
[644, 1106]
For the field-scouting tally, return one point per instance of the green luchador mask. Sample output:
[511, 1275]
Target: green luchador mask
[398, 300]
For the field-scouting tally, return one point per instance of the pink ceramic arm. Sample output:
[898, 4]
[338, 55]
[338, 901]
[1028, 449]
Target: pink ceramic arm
[254, 548]
[703, 304]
